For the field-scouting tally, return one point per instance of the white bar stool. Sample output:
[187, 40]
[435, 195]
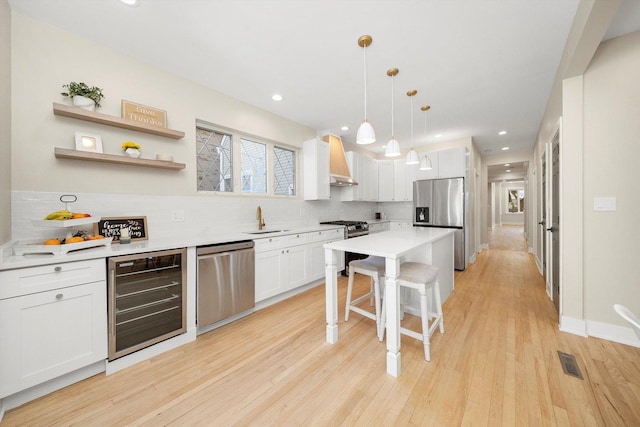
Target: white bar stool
[422, 277]
[373, 267]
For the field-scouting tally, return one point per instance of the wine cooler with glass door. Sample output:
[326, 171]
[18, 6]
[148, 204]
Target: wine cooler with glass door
[147, 299]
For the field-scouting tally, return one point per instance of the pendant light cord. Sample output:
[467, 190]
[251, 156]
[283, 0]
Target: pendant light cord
[365, 82]
[411, 122]
[393, 134]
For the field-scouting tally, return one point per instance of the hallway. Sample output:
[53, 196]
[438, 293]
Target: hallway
[508, 237]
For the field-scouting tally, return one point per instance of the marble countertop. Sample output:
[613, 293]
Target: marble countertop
[391, 244]
[8, 261]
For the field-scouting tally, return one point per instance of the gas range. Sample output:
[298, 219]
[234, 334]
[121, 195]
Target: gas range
[351, 228]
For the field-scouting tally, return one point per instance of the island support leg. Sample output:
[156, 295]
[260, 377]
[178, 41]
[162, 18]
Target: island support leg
[392, 304]
[331, 294]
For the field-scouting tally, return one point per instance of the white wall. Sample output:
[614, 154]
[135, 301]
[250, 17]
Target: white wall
[610, 165]
[5, 121]
[45, 58]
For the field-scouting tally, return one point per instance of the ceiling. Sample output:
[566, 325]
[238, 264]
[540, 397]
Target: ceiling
[514, 171]
[484, 66]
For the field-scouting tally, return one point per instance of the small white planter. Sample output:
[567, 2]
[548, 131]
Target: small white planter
[132, 152]
[84, 103]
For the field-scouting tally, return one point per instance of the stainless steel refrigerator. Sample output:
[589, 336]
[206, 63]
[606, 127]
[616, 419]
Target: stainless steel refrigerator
[440, 203]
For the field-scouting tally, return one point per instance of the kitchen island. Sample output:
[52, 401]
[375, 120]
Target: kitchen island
[428, 245]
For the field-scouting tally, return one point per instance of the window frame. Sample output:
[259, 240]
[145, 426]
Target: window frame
[236, 137]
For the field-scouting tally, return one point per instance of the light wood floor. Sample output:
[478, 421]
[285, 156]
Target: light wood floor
[496, 364]
[508, 237]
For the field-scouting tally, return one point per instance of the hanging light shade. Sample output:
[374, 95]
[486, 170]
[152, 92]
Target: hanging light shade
[425, 163]
[366, 134]
[412, 155]
[393, 147]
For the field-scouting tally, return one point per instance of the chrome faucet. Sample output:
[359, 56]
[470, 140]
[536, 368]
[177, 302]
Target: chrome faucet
[261, 223]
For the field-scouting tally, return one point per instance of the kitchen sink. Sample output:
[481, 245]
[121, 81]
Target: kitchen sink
[265, 231]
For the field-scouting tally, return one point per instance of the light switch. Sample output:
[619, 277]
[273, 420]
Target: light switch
[604, 203]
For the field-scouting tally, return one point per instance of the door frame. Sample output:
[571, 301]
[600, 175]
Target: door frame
[556, 135]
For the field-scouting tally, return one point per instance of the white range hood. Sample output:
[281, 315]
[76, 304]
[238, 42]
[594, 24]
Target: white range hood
[339, 174]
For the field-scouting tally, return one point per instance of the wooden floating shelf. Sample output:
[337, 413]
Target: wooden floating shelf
[64, 153]
[105, 119]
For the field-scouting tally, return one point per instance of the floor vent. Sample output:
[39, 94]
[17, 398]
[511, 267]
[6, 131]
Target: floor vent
[569, 365]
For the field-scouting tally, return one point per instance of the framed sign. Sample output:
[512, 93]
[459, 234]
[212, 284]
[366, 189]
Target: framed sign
[88, 142]
[111, 226]
[143, 114]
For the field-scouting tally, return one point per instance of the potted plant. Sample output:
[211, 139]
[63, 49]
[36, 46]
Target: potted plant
[83, 96]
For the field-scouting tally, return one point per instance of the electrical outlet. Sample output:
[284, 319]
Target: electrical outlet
[177, 215]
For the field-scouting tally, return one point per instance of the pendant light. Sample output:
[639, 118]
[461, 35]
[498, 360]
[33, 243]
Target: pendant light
[366, 134]
[393, 148]
[425, 163]
[412, 155]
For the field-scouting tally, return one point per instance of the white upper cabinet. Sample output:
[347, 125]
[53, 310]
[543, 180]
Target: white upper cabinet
[404, 175]
[446, 164]
[451, 163]
[315, 155]
[386, 185]
[365, 171]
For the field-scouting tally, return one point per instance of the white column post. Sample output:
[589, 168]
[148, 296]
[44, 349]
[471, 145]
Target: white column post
[392, 305]
[331, 294]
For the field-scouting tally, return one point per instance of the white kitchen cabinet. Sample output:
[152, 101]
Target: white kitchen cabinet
[379, 227]
[278, 270]
[53, 321]
[451, 163]
[315, 154]
[365, 171]
[404, 175]
[386, 186]
[399, 225]
[446, 164]
[287, 262]
[431, 173]
[268, 270]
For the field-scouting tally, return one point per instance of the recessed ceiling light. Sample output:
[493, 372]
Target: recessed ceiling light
[505, 148]
[277, 97]
[132, 3]
[508, 170]
[345, 128]
[438, 135]
[507, 164]
[502, 132]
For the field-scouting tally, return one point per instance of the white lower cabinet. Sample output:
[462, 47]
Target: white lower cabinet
[298, 260]
[400, 225]
[58, 329]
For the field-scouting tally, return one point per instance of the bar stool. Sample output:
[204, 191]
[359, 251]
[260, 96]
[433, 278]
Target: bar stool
[373, 267]
[423, 278]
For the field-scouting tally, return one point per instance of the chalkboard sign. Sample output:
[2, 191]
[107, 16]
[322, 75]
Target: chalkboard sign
[111, 226]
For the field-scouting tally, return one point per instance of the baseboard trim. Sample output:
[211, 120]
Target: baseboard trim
[615, 333]
[573, 326]
[539, 265]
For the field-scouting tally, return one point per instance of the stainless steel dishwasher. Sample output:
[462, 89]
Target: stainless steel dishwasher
[226, 281]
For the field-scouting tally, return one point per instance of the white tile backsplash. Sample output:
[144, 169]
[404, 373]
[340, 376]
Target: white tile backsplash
[207, 212]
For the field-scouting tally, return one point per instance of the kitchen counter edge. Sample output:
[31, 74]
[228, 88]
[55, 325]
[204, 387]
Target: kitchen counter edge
[8, 261]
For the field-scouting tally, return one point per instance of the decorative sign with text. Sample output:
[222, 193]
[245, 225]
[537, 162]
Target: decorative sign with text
[111, 226]
[143, 114]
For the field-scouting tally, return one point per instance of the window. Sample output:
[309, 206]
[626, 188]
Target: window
[253, 164]
[284, 171]
[256, 165]
[515, 200]
[214, 150]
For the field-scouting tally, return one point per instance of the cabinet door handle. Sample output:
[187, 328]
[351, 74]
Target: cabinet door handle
[59, 296]
[57, 268]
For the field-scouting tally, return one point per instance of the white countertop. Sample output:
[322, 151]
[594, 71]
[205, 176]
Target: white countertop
[8, 261]
[390, 244]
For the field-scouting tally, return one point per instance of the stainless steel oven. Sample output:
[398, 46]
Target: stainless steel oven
[351, 229]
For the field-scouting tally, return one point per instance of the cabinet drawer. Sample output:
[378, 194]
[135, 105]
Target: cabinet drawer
[267, 243]
[295, 239]
[26, 281]
[318, 236]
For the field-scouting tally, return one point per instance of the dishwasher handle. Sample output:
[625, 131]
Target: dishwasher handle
[225, 247]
